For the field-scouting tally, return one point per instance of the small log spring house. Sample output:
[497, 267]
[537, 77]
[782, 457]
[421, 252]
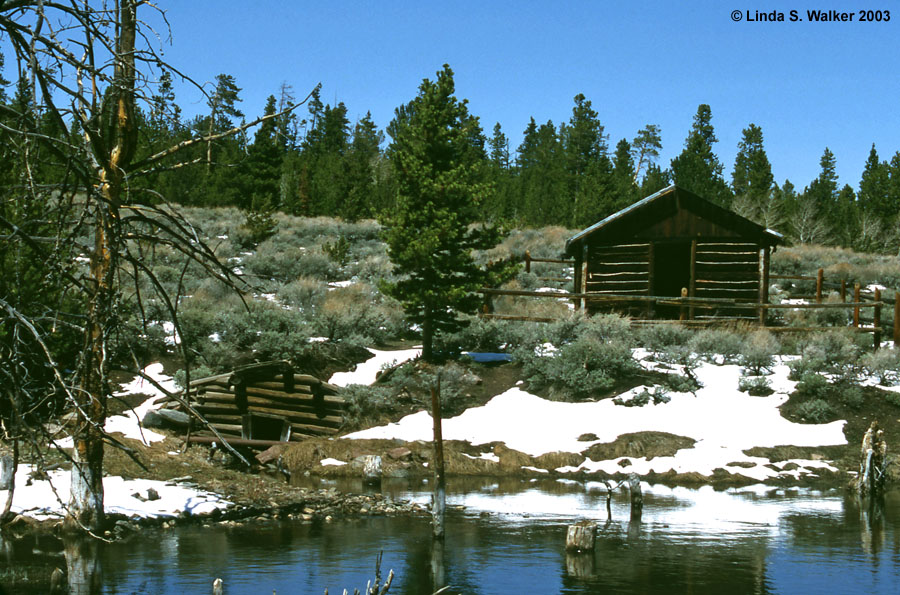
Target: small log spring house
[267, 402]
[667, 243]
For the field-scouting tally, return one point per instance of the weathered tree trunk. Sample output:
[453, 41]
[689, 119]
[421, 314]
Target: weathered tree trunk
[438, 574]
[870, 480]
[580, 536]
[7, 472]
[83, 564]
[114, 148]
[372, 469]
[440, 497]
[637, 496]
[427, 336]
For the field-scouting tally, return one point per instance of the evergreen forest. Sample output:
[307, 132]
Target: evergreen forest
[314, 161]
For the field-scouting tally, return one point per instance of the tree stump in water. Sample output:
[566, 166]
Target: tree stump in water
[580, 565]
[637, 496]
[871, 467]
[580, 536]
[372, 469]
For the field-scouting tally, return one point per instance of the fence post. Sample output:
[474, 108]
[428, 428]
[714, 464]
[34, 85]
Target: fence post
[683, 314]
[843, 290]
[876, 332]
[692, 290]
[856, 308]
[896, 319]
[820, 279]
[528, 261]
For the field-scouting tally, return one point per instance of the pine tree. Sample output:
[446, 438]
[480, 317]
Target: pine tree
[587, 164]
[436, 153]
[624, 187]
[543, 178]
[874, 187]
[697, 168]
[752, 179]
[645, 148]
[655, 180]
[499, 148]
[823, 193]
[360, 162]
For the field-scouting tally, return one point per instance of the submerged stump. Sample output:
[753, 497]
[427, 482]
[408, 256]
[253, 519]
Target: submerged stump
[637, 496]
[372, 469]
[580, 536]
[870, 480]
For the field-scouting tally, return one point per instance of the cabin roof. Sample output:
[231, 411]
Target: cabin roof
[664, 204]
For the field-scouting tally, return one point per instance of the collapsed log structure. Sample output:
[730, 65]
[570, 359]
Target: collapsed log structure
[676, 244]
[267, 402]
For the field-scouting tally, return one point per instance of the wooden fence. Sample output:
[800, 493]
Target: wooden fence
[860, 301]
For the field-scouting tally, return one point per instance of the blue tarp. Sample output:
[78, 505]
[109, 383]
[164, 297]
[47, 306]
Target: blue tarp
[487, 358]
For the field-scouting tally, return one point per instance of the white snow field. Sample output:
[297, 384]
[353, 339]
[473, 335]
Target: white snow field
[723, 421]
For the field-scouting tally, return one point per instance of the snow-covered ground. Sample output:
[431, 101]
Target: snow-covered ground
[365, 372]
[45, 498]
[723, 421]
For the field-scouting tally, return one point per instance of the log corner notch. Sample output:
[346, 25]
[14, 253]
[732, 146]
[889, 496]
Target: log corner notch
[265, 403]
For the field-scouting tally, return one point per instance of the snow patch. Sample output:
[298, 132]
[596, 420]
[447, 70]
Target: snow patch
[329, 462]
[723, 421]
[39, 501]
[365, 372]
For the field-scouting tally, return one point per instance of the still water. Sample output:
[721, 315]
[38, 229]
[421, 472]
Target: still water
[510, 538]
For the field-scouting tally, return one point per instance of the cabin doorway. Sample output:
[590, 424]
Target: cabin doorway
[671, 272]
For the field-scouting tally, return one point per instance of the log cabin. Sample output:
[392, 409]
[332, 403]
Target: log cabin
[672, 244]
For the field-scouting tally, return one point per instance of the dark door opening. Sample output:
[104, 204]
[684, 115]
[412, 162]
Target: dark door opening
[671, 272]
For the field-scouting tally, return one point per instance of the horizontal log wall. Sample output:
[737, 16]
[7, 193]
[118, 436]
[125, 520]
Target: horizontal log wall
[727, 270]
[312, 409]
[621, 269]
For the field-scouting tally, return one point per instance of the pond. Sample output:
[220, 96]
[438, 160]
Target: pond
[510, 538]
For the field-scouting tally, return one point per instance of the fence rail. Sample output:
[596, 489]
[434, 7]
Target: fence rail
[858, 302]
[687, 303]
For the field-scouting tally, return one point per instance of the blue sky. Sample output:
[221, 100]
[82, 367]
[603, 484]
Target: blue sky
[808, 85]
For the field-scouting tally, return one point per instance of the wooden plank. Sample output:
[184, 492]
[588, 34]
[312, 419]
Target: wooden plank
[728, 266]
[260, 404]
[234, 423]
[617, 248]
[728, 246]
[280, 395]
[215, 410]
[241, 442]
[618, 274]
[737, 257]
[610, 283]
[748, 283]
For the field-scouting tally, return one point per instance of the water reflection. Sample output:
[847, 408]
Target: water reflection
[511, 538]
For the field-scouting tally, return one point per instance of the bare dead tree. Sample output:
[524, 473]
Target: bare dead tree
[87, 64]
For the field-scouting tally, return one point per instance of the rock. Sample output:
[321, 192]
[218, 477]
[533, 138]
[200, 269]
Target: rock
[640, 444]
[589, 437]
[166, 418]
[400, 454]
[152, 494]
[554, 460]
[273, 453]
